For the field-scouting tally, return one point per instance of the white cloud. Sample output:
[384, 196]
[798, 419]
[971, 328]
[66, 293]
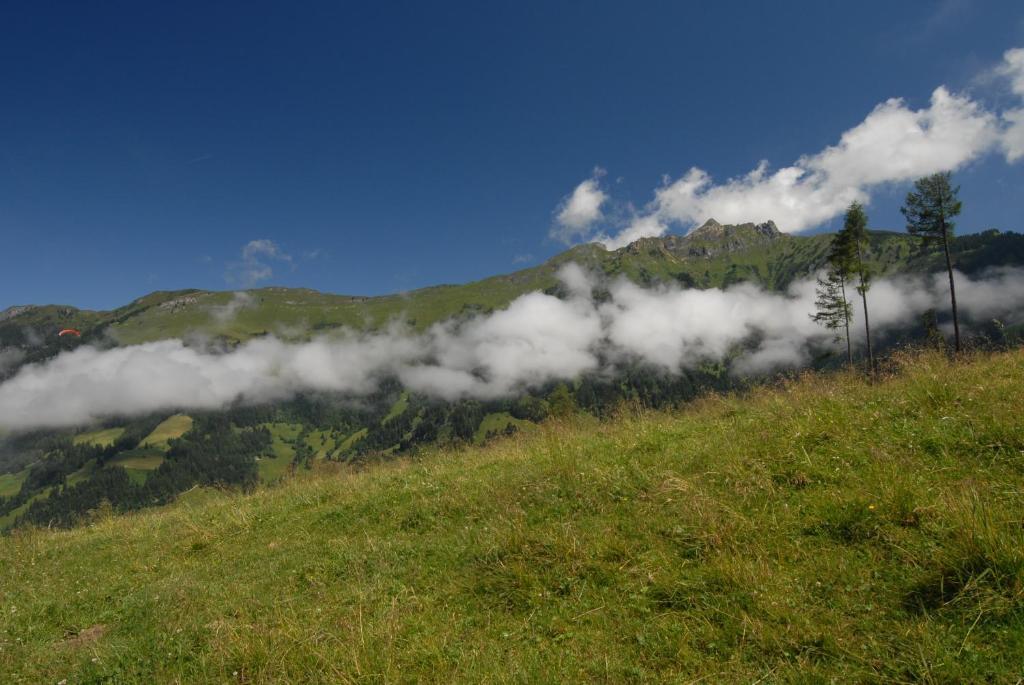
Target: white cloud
[641, 226]
[1013, 139]
[893, 144]
[256, 249]
[226, 313]
[580, 210]
[255, 264]
[538, 338]
[1012, 69]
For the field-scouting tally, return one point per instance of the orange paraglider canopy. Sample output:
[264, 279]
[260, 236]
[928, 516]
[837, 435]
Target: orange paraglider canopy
[70, 331]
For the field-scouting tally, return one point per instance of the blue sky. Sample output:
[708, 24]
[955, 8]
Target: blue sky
[387, 146]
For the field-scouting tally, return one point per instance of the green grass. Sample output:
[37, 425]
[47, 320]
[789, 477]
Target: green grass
[140, 462]
[282, 450]
[322, 442]
[141, 459]
[137, 475]
[171, 427]
[100, 438]
[498, 422]
[10, 516]
[287, 432]
[299, 313]
[398, 408]
[83, 473]
[827, 530]
[272, 469]
[10, 483]
[283, 436]
[351, 440]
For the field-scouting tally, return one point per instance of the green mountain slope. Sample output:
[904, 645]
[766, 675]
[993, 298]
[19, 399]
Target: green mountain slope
[54, 477]
[710, 256]
[845, 531]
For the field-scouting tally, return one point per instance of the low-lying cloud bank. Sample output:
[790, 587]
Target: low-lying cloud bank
[894, 144]
[538, 338]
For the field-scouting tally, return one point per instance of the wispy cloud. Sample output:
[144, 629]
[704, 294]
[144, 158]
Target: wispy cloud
[944, 15]
[226, 313]
[200, 158]
[256, 264]
[9, 357]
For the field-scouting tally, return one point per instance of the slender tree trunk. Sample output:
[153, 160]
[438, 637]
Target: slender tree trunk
[864, 299]
[952, 290]
[846, 319]
[867, 332]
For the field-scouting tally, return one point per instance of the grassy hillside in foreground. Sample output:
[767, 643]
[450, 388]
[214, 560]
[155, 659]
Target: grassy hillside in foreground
[825, 529]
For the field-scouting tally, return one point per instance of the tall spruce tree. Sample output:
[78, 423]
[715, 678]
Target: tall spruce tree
[929, 210]
[849, 249]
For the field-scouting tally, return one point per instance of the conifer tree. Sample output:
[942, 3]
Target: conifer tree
[832, 309]
[929, 210]
[848, 251]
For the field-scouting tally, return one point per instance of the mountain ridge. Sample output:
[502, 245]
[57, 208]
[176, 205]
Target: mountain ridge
[712, 255]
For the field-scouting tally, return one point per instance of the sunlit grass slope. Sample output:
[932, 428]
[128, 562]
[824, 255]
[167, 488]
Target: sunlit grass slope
[829, 530]
[172, 427]
[101, 438]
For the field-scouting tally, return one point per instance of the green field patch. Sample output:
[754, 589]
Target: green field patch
[99, 438]
[9, 518]
[10, 483]
[281, 437]
[172, 427]
[321, 442]
[141, 458]
[286, 431]
[82, 474]
[198, 496]
[147, 463]
[138, 476]
[398, 408]
[272, 469]
[351, 440]
[498, 422]
[282, 450]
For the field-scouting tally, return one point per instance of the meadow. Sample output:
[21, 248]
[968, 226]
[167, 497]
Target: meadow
[824, 529]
